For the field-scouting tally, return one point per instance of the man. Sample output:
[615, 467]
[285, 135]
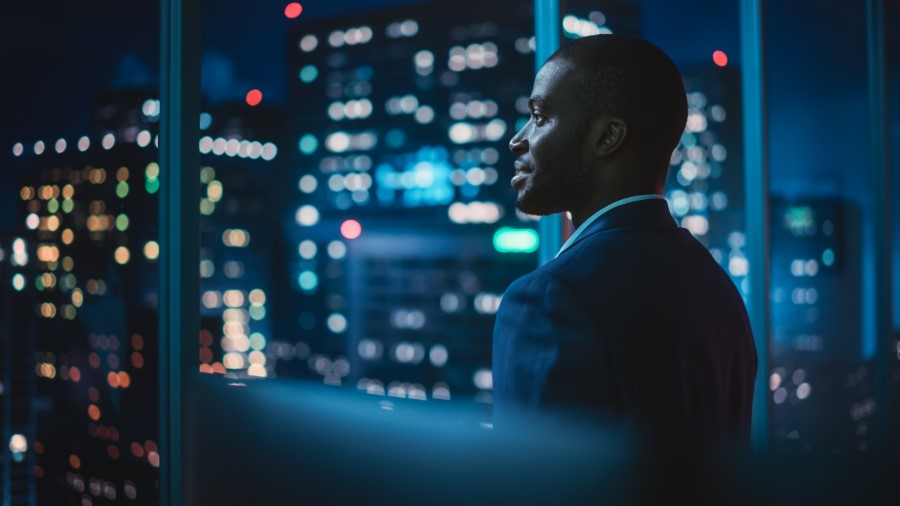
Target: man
[633, 320]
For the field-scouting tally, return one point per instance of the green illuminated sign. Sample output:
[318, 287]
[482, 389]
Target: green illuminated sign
[516, 240]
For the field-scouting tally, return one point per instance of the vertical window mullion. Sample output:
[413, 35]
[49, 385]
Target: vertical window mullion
[756, 184]
[179, 232]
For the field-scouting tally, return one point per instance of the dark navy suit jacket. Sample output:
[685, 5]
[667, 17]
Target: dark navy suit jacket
[635, 320]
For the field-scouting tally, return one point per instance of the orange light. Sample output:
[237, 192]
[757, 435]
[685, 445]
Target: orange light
[74, 461]
[206, 369]
[94, 359]
[137, 360]
[137, 342]
[254, 97]
[74, 374]
[351, 229]
[293, 10]
[218, 368]
[94, 412]
[137, 449]
[113, 379]
[720, 58]
[124, 379]
[206, 355]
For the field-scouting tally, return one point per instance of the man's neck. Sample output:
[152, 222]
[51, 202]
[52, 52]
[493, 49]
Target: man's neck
[600, 201]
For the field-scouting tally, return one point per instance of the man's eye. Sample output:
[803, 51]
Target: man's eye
[538, 118]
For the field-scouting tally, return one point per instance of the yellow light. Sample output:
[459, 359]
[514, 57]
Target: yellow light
[233, 361]
[77, 297]
[97, 176]
[52, 223]
[47, 253]
[257, 370]
[233, 298]
[236, 238]
[68, 236]
[27, 193]
[48, 310]
[122, 255]
[214, 191]
[257, 297]
[152, 171]
[68, 191]
[48, 279]
[47, 370]
[151, 250]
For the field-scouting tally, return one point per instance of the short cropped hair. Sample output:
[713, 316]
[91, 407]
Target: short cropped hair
[634, 80]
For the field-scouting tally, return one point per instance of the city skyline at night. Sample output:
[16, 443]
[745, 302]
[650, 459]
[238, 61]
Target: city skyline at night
[357, 226]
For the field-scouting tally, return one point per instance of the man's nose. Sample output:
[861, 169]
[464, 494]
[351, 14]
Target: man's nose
[518, 144]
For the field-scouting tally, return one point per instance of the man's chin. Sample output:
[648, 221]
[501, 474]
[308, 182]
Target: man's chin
[530, 206]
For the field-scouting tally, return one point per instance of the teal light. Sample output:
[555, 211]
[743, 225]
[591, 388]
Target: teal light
[516, 240]
[308, 280]
[308, 144]
[152, 185]
[309, 73]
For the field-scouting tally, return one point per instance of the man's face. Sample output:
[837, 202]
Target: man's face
[551, 166]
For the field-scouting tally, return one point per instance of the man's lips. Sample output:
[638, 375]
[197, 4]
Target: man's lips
[522, 172]
[522, 166]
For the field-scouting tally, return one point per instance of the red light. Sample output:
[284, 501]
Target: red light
[293, 10]
[720, 58]
[351, 229]
[254, 97]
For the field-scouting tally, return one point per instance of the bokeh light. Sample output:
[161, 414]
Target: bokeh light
[351, 229]
[293, 10]
[254, 97]
[720, 58]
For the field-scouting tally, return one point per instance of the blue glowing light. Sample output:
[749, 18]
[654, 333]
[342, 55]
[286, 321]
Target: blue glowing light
[308, 280]
[309, 73]
[418, 179]
[308, 144]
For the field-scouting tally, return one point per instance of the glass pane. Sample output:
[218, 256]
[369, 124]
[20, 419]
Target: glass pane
[705, 188]
[822, 272]
[892, 30]
[358, 227]
[78, 286]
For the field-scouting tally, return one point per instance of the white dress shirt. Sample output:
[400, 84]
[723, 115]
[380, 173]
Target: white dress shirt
[618, 203]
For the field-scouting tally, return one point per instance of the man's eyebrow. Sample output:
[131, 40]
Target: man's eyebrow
[536, 102]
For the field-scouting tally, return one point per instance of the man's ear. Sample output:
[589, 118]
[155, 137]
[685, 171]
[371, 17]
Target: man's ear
[607, 135]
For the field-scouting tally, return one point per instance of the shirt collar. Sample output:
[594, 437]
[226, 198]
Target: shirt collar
[593, 218]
